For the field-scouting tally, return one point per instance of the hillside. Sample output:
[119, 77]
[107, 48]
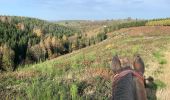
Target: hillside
[25, 40]
[86, 73]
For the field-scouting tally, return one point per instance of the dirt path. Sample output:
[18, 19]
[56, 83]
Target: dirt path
[164, 94]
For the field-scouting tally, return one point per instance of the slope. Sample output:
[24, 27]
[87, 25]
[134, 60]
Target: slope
[86, 73]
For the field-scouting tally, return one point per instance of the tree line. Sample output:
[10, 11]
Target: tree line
[118, 26]
[159, 22]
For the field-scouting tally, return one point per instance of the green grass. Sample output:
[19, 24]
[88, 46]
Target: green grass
[160, 84]
[74, 91]
[160, 57]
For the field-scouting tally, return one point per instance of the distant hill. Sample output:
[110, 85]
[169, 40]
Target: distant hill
[92, 27]
[32, 23]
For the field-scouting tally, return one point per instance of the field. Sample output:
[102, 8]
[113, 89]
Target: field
[86, 73]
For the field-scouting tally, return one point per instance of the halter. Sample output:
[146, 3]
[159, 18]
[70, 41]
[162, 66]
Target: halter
[125, 72]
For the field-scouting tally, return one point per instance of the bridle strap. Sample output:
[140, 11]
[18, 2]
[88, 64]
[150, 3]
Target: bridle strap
[118, 76]
[139, 75]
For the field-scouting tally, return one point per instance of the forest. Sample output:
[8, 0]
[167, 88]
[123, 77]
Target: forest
[28, 40]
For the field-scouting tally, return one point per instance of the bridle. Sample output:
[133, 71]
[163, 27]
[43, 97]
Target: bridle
[121, 74]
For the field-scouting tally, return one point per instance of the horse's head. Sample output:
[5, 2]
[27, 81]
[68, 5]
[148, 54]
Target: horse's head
[128, 78]
[123, 64]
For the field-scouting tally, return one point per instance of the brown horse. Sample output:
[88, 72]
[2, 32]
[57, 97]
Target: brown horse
[128, 83]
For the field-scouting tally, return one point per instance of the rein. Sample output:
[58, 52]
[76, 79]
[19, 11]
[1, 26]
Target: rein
[121, 74]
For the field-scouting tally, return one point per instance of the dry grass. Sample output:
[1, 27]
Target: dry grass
[20, 74]
[164, 94]
[102, 72]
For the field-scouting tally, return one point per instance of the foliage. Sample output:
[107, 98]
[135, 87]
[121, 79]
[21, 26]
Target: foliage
[159, 22]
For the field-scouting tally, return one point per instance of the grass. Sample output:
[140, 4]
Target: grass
[84, 74]
[74, 91]
[46, 89]
[160, 84]
[159, 56]
[157, 84]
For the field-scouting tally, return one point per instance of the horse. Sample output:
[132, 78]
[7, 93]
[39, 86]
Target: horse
[128, 82]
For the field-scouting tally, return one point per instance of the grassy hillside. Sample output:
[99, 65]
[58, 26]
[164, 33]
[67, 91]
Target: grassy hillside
[86, 73]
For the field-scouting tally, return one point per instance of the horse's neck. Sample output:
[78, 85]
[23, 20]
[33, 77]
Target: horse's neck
[123, 88]
[129, 87]
[139, 89]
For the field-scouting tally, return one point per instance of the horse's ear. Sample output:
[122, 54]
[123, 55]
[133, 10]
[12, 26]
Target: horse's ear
[116, 64]
[138, 64]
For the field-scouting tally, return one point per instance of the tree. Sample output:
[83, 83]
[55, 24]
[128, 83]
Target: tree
[1, 58]
[43, 50]
[48, 46]
[8, 58]
[56, 46]
[39, 32]
[65, 43]
[36, 53]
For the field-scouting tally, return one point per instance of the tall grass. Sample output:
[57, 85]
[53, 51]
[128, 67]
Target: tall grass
[74, 91]
[46, 89]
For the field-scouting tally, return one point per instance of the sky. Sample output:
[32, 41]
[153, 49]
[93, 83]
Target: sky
[86, 9]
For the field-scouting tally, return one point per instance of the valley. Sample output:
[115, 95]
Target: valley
[85, 73]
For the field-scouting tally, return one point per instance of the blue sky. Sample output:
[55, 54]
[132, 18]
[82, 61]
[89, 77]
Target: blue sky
[86, 9]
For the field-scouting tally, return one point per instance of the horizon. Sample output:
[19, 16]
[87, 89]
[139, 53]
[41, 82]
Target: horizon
[52, 10]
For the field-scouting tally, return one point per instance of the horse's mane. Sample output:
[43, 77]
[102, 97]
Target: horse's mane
[123, 89]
